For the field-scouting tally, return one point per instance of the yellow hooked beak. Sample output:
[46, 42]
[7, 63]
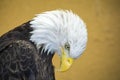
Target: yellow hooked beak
[65, 61]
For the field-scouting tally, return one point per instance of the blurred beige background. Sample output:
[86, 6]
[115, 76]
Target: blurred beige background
[101, 60]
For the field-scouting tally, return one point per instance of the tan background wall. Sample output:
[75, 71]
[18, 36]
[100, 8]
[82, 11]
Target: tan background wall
[101, 60]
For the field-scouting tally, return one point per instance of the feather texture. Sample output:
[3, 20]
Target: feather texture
[55, 28]
[20, 59]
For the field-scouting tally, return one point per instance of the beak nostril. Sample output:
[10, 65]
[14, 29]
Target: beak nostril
[68, 60]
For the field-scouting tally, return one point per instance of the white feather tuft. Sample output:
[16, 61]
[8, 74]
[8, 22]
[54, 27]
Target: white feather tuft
[55, 28]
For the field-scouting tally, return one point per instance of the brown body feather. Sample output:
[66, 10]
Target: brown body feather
[19, 58]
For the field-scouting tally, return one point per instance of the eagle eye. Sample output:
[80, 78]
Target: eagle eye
[67, 46]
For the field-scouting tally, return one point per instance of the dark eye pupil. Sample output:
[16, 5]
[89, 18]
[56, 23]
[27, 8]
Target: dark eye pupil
[67, 46]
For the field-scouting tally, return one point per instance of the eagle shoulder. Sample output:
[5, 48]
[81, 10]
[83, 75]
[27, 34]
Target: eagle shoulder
[18, 59]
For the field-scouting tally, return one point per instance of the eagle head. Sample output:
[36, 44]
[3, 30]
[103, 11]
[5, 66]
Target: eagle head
[61, 32]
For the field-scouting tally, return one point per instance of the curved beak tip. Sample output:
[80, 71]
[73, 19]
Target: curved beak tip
[66, 63]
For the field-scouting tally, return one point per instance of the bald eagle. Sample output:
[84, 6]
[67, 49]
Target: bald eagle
[26, 52]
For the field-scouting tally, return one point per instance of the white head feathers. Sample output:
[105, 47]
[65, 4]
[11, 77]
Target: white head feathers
[55, 28]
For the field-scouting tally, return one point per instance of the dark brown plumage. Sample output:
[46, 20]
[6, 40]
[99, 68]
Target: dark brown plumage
[19, 58]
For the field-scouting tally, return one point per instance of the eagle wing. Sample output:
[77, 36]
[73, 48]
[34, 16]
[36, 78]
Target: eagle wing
[17, 60]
